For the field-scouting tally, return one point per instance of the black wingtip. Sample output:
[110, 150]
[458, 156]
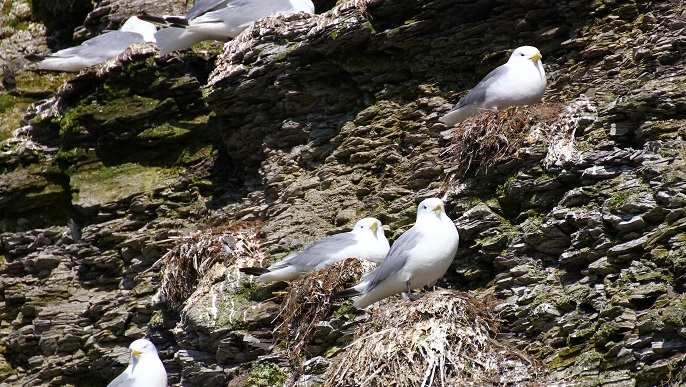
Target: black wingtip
[254, 270]
[35, 57]
[350, 292]
[154, 19]
[177, 21]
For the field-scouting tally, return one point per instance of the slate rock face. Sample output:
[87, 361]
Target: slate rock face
[308, 123]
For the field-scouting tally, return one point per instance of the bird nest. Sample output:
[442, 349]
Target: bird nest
[196, 262]
[445, 338]
[307, 302]
[495, 136]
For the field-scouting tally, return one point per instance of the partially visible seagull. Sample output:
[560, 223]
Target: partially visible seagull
[366, 241]
[218, 20]
[419, 257]
[145, 367]
[520, 81]
[97, 49]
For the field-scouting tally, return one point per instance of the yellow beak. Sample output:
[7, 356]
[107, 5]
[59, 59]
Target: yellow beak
[536, 56]
[136, 353]
[374, 226]
[437, 208]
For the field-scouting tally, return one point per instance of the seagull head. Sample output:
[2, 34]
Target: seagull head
[525, 53]
[372, 224]
[430, 206]
[142, 348]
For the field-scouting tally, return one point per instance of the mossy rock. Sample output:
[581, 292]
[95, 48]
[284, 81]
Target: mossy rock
[94, 188]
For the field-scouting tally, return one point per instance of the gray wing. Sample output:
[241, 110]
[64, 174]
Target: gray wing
[478, 93]
[203, 6]
[104, 46]
[396, 258]
[123, 380]
[322, 249]
[240, 12]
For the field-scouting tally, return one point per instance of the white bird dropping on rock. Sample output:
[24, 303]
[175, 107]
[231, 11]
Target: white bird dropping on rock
[419, 257]
[218, 20]
[520, 81]
[97, 49]
[366, 241]
[145, 367]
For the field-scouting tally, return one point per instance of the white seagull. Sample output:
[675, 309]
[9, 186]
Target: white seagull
[366, 241]
[419, 257]
[99, 48]
[520, 81]
[218, 20]
[145, 367]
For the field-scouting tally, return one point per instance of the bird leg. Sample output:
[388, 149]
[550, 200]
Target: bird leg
[411, 296]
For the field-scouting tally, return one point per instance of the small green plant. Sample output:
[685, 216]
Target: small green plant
[266, 375]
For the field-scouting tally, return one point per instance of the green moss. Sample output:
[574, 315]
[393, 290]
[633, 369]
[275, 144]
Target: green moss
[162, 131]
[560, 362]
[109, 185]
[266, 375]
[618, 200]
[6, 371]
[230, 311]
[35, 85]
[571, 351]
[345, 308]
[604, 331]
[283, 55]
[156, 320]
[502, 189]
[12, 110]
[249, 290]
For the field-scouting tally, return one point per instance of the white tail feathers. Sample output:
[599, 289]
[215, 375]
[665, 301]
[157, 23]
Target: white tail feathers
[171, 39]
[134, 24]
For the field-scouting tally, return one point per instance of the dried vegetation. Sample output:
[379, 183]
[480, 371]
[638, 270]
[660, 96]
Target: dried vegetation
[198, 261]
[495, 136]
[445, 338]
[307, 302]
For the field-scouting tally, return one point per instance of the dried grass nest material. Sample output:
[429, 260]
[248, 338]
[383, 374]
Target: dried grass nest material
[198, 261]
[494, 136]
[307, 301]
[443, 339]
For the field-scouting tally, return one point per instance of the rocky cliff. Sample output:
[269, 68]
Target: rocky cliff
[130, 197]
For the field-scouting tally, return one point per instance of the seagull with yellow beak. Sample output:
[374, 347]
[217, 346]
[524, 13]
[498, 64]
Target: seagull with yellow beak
[145, 367]
[366, 241]
[521, 81]
[419, 257]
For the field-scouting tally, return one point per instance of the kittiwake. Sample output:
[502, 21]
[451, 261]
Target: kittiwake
[419, 257]
[145, 367]
[218, 20]
[520, 81]
[97, 49]
[366, 241]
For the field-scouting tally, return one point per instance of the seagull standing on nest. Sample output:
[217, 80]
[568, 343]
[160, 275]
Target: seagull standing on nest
[419, 257]
[145, 367]
[218, 20]
[520, 81]
[366, 241]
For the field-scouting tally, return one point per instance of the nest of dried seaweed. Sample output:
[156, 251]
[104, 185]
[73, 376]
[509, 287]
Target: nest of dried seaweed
[207, 256]
[307, 302]
[495, 136]
[443, 339]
